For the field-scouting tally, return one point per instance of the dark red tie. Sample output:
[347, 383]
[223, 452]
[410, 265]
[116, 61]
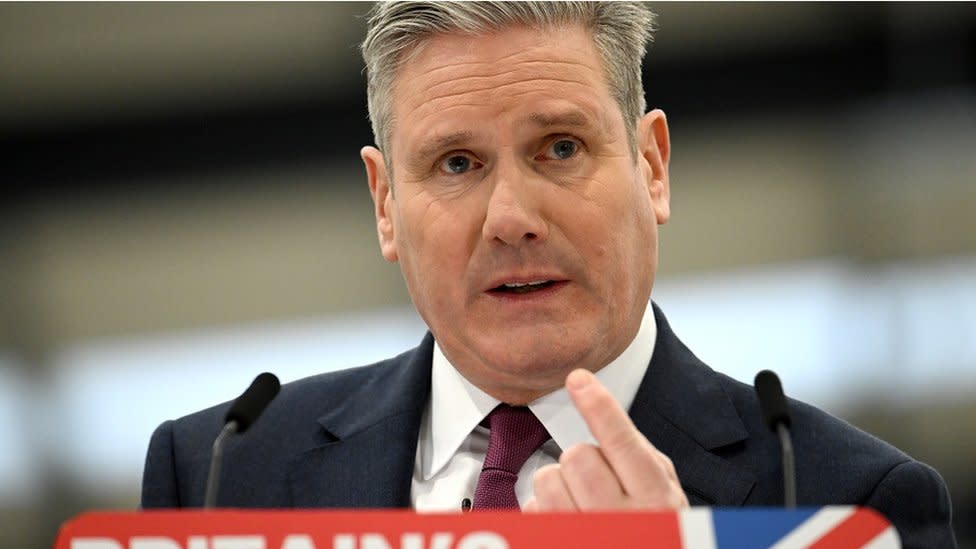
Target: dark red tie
[515, 434]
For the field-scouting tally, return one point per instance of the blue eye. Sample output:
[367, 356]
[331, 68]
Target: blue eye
[563, 149]
[457, 164]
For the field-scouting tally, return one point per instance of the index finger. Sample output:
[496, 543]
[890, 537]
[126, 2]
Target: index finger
[633, 458]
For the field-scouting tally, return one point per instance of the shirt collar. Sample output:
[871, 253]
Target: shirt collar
[456, 406]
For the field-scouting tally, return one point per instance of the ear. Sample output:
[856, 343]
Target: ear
[379, 188]
[654, 147]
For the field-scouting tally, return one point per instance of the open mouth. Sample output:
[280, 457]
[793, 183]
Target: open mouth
[523, 287]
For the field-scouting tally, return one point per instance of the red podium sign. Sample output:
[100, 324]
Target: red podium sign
[704, 528]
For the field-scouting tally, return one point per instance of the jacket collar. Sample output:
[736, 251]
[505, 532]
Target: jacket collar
[368, 444]
[683, 410]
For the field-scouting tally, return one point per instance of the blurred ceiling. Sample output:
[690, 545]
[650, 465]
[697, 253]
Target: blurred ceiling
[71, 63]
[74, 61]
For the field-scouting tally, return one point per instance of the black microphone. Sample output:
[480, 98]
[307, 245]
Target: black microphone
[776, 414]
[242, 413]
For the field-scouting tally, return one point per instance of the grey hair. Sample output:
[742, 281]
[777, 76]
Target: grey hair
[621, 32]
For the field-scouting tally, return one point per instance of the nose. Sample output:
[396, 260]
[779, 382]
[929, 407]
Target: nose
[514, 214]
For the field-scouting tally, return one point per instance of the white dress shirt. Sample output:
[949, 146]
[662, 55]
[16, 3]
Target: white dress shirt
[452, 445]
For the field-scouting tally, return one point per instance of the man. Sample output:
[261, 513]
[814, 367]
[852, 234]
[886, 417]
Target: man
[519, 183]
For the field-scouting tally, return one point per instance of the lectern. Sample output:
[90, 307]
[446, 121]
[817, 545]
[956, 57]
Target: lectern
[831, 527]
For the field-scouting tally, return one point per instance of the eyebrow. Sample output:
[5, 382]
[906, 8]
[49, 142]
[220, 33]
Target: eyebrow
[572, 118]
[439, 143]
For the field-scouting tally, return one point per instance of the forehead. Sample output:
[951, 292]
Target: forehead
[500, 44]
[451, 77]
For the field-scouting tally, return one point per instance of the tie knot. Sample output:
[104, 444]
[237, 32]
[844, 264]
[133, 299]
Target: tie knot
[515, 434]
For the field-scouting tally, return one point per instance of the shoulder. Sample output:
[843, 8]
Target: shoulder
[840, 464]
[294, 411]
[837, 461]
[298, 419]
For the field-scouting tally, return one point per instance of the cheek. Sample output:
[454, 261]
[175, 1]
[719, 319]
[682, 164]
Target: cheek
[434, 243]
[627, 232]
[420, 223]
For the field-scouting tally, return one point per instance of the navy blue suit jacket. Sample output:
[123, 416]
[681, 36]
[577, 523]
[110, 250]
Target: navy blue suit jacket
[349, 438]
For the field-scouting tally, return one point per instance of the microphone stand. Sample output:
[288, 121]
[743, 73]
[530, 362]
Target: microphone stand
[789, 469]
[216, 458]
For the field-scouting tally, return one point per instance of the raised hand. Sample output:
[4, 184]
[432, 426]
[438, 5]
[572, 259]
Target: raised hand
[622, 471]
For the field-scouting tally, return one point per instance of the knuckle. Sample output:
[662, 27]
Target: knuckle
[629, 446]
[577, 456]
[573, 454]
[547, 471]
[545, 477]
[621, 440]
[681, 501]
[665, 496]
[667, 464]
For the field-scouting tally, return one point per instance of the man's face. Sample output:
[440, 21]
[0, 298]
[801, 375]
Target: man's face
[525, 228]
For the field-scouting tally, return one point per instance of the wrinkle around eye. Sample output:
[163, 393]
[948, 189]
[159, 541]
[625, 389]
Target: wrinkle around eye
[426, 206]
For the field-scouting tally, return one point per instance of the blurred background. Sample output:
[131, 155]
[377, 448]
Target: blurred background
[185, 209]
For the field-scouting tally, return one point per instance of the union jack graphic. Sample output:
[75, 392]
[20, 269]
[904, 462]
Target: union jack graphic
[834, 527]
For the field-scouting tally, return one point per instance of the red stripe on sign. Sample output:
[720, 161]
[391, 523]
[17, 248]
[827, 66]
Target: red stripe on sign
[861, 527]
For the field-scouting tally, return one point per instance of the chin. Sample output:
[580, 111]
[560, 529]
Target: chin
[534, 360]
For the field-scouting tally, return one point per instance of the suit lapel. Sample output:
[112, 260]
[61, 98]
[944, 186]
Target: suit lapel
[683, 410]
[369, 439]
